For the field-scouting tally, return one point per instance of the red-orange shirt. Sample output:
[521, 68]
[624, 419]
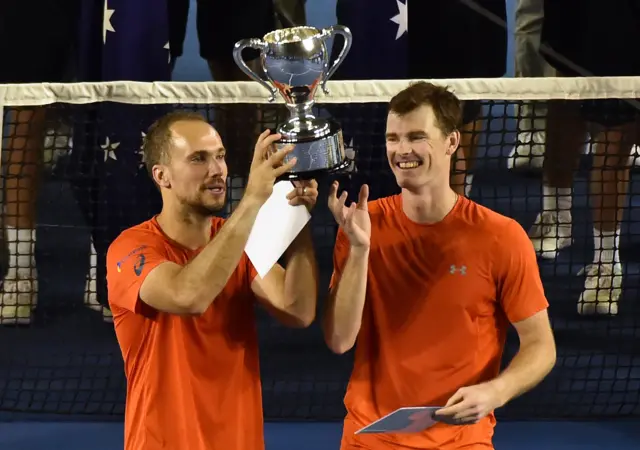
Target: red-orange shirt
[438, 304]
[193, 382]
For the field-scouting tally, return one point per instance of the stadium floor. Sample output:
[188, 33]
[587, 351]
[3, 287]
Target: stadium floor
[621, 435]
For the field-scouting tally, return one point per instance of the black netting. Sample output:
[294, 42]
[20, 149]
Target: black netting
[62, 357]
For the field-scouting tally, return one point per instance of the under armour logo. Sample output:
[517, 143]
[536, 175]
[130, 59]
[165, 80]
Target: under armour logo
[462, 269]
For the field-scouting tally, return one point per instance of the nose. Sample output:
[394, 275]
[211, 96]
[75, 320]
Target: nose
[216, 167]
[404, 148]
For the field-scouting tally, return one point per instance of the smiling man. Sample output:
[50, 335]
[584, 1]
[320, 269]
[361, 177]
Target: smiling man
[182, 293]
[428, 282]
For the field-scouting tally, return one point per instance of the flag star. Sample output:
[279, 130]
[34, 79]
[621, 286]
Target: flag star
[402, 19]
[106, 22]
[140, 151]
[109, 149]
[167, 47]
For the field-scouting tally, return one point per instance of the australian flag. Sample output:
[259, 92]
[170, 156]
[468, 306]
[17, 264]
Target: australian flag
[379, 52]
[121, 40]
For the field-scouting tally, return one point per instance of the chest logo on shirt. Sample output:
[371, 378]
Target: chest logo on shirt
[462, 270]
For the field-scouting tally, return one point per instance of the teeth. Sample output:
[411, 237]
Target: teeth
[408, 165]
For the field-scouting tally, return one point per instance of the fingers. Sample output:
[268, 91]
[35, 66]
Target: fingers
[457, 397]
[276, 158]
[336, 204]
[265, 147]
[333, 191]
[363, 198]
[284, 168]
[303, 191]
[259, 151]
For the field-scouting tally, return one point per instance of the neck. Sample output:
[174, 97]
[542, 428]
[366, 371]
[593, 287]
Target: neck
[428, 205]
[187, 228]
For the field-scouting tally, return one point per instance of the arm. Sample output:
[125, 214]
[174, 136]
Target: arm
[521, 296]
[534, 360]
[291, 295]
[523, 300]
[343, 310]
[190, 289]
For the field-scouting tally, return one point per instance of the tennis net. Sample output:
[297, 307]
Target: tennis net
[73, 172]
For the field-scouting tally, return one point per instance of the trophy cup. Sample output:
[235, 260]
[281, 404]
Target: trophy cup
[295, 61]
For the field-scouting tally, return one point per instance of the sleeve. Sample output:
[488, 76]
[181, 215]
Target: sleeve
[520, 290]
[340, 255]
[130, 258]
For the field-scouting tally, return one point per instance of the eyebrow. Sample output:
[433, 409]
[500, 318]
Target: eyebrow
[409, 133]
[204, 152]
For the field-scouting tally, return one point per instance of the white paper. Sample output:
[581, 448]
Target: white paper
[403, 420]
[276, 226]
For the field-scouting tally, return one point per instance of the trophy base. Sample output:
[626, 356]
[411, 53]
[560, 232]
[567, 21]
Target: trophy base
[316, 156]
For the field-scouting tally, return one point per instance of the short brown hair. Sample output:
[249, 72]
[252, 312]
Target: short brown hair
[155, 149]
[446, 106]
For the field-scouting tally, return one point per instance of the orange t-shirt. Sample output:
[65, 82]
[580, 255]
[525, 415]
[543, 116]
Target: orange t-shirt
[438, 304]
[193, 382]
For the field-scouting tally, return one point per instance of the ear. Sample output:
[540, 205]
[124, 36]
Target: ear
[161, 175]
[453, 141]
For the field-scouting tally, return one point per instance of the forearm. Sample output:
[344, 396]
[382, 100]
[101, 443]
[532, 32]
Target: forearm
[529, 367]
[343, 313]
[205, 276]
[301, 278]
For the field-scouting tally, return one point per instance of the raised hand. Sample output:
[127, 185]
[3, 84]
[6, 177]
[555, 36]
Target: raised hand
[305, 193]
[353, 219]
[267, 165]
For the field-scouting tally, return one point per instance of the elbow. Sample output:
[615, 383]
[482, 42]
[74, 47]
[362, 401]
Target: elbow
[190, 305]
[335, 342]
[303, 320]
[340, 347]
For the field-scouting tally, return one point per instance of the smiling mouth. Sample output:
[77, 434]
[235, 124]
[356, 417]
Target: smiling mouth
[408, 165]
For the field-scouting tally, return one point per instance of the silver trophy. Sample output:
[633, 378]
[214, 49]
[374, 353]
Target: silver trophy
[295, 61]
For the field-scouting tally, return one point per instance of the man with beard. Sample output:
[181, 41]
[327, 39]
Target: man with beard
[182, 293]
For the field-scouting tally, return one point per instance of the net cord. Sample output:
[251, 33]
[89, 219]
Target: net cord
[358, 91]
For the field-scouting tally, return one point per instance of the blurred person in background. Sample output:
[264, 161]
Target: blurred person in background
[528, 150]
[88, 40]
[391, 41]
[579, 50]
[28, 60]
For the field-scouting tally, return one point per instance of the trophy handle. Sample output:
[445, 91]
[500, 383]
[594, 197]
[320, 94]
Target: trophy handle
[348, 39]
[261, 46]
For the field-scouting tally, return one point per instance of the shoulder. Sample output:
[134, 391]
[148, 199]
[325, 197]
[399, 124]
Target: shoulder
[384, 207]
[136, 239]
[487, 220]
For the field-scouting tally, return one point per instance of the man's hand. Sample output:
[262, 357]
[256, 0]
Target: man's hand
[267, 166]
[354, 220]
[305, 193]
[470, 404]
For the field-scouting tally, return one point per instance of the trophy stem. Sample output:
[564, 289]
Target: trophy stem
[300, 110]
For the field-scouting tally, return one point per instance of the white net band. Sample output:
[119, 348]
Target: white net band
[359, 91]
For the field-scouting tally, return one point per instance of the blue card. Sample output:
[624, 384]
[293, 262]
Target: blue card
[404, 420]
